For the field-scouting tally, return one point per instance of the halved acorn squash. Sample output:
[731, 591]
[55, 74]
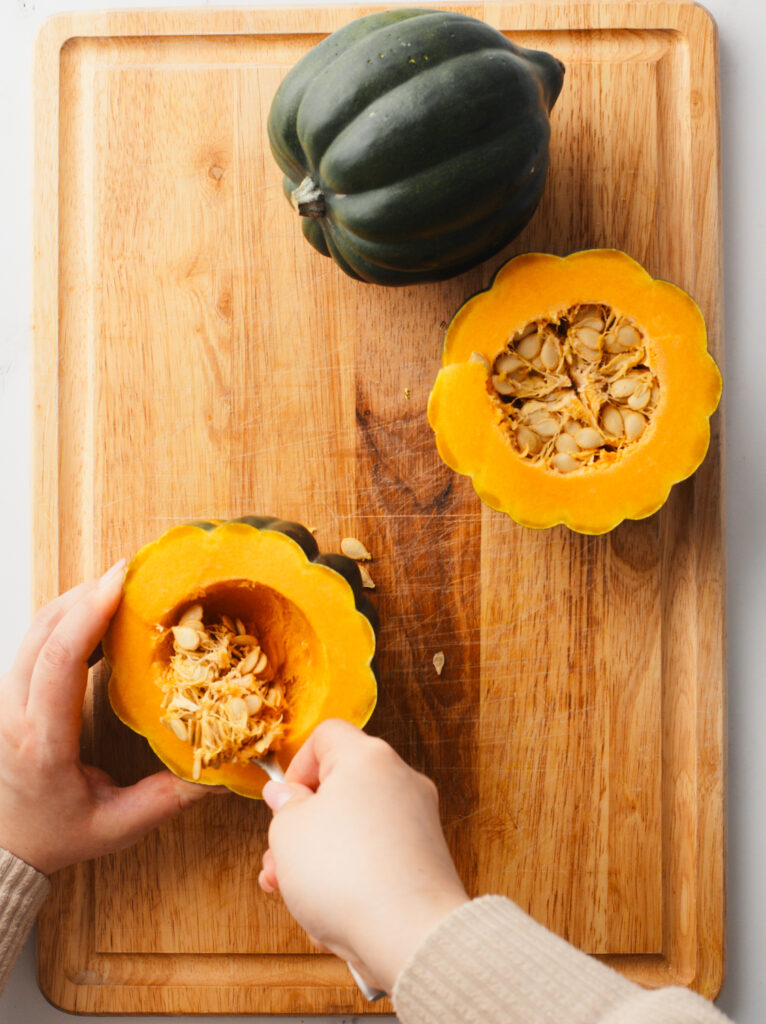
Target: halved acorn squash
[308, 611]
[575, 390]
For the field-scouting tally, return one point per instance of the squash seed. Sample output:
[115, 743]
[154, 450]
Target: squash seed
[628, 336]
[367, 580]
[611, 420]
[528, 440]
[438, 661]
[477, 357]
[588, 438]
[253, 703]
[353, 548]
[192, 616]
[178, 727]
[623, 387]
[503, 386]
[186, 638]
[212, 698]
[634, 425]
[248, 662]
[566, 443]
[546, 426]
[640, 397]
[524, 332]
[570, 385]
[507, 363]
[529, 346]
[564, 463]
[550, 354]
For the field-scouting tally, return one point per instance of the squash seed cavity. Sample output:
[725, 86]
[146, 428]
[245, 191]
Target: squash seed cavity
[220, 694]
[576, 390]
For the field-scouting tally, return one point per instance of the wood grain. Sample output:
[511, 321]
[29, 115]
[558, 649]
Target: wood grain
[194, 358]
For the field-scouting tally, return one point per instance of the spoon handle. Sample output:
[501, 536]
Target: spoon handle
[271, 766]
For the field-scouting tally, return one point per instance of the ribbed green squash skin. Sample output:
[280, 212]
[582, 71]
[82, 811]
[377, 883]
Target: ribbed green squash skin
[426, 133]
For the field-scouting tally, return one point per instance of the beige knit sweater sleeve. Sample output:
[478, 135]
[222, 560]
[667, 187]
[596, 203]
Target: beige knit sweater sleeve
[489, 963]
[22, 892]
[486, 963]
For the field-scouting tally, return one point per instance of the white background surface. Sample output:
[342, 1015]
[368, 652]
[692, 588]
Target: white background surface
[742, 29]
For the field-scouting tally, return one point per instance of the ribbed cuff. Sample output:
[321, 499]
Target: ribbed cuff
[489, 963]
[22, 892]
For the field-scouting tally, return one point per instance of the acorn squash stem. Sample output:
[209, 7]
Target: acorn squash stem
[308, 199]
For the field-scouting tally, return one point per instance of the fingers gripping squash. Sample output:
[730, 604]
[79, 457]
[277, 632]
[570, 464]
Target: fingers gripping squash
[575, 390]
[286, 630]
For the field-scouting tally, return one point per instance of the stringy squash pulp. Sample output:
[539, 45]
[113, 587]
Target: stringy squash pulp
[237, 638]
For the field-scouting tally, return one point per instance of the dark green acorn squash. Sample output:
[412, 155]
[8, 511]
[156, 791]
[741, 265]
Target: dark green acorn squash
[414, 143]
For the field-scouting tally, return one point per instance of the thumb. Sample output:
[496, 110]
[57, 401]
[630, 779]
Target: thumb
[134, 810]
[276, 794]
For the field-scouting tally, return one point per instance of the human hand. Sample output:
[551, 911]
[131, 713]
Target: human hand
[357, 850]
[54, 810]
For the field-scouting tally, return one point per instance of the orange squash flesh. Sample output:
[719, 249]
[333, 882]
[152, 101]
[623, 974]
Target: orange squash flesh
[306, 618]
[471, 436]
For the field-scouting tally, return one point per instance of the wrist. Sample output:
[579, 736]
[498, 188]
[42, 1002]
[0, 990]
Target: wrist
[392, 937]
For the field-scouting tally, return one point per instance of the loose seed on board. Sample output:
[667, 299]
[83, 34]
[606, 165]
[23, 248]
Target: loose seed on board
[353, 548]
[438, 660]
[367, 580]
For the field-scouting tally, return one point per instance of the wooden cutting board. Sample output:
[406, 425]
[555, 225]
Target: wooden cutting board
[194, 358]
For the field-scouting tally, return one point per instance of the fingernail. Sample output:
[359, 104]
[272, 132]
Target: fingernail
[115, 573]
[276, 795]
